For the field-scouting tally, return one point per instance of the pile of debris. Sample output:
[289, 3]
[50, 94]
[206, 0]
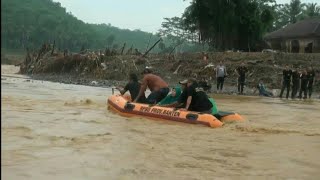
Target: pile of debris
[111, 64]
[265, 66]
[116, 65]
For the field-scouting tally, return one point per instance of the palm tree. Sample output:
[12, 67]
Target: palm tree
[288, 13]
[295, 10]
[312, 10]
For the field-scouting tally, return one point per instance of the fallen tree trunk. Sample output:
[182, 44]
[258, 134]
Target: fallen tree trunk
[54, 43]
[151, 48]
[124, 45]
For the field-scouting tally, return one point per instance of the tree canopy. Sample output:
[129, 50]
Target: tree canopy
[30, 23]
[220, 24]
[235, 24]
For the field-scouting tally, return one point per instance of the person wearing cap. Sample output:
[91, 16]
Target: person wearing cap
[181, 103]
[197, 98]
[158, 87]
[133, 86]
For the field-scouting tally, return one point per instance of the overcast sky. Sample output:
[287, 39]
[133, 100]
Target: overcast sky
[146, 15]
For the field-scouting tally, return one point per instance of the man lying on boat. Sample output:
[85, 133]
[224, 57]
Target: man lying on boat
[158, 87]
[177, 99]
[172, 98]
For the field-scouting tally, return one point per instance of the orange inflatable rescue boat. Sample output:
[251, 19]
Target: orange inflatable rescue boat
[123, 106]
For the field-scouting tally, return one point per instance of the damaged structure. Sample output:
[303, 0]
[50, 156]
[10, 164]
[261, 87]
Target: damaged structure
[301, 37]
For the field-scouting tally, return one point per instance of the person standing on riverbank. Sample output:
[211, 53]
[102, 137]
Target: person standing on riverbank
[221, 73]
[311, 74]
[286, 80]
[241, 72]
[304, 84]
[295, 83]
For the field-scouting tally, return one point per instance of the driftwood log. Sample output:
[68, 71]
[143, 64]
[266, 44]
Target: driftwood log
[122, 49]
[144, 55]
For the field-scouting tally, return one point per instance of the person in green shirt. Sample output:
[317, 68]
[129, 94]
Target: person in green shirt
[171, 99]
[214, 106]
[263, 90]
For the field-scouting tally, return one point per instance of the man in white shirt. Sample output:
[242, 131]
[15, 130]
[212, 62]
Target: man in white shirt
[221, 73]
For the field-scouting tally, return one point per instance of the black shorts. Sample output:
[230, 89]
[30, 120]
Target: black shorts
[157, 96]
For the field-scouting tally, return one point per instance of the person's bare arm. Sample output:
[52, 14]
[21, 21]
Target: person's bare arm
[121, 90]
[143, 88]
[188, 102]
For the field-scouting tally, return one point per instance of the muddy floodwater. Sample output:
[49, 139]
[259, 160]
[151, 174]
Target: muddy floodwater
[60, 131]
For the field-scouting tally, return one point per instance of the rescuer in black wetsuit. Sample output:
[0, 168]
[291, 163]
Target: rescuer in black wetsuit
[197, 98]
[133, 86]
[286, 81]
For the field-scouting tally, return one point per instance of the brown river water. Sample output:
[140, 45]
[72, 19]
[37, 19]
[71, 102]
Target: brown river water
[60, 131]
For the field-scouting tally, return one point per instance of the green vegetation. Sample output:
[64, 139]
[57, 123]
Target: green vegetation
[30, 23]
[205, 24]
[234, 24]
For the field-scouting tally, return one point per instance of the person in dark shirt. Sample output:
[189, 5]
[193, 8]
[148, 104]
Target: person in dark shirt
[295, 82]
[133, 86]
[311, 74]
[286, 81]
[304, 84]
[202, 102]
[241, 71]
[197, 98]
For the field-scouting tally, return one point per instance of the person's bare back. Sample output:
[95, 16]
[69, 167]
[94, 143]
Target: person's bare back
[153, 82]
[158, 87]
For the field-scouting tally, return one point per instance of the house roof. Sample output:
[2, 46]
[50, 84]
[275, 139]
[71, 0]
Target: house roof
[304, 28]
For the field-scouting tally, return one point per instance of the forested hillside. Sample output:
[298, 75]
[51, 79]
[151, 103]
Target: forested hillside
[220, 25]
[30, 23]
